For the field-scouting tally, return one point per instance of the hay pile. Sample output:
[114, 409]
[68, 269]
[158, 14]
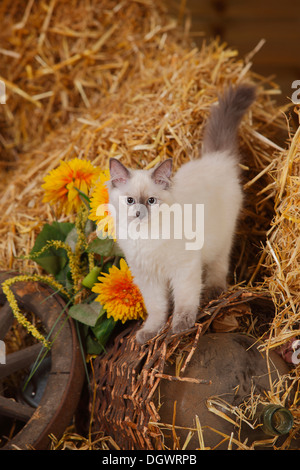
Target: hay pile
[283, 245]
[102, 78]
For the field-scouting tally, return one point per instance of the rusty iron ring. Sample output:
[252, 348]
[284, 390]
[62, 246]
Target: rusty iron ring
[66, 378]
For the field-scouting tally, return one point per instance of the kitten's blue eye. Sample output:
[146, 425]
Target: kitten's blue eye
[130, 201]
[151, 201]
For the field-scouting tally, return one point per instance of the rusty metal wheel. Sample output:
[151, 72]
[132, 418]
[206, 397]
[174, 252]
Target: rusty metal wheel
[66, 376]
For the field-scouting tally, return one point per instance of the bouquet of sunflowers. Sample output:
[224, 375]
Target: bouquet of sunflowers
[82, 259]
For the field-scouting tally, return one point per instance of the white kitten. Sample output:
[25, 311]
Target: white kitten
[163, 266]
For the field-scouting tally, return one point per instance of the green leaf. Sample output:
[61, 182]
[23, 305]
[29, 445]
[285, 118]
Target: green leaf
[83, 197]
[52, 260]
[88, 314]
[65, 278]
[103, 329]
[72, 238]
[107, 267]
[95, 338]
[105, 247]
[92, 346]
[90, 227]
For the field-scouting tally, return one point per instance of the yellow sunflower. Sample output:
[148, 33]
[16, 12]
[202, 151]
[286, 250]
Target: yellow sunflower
[61, 184]
[99, 212]
[119, 295]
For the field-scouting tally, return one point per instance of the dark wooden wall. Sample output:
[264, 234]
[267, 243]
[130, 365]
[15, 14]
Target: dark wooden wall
[243, 23]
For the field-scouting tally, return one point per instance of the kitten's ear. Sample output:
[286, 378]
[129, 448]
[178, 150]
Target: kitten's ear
[162, 173]
[119, 174]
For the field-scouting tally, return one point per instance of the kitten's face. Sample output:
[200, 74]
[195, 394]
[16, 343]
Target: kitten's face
[139, 193]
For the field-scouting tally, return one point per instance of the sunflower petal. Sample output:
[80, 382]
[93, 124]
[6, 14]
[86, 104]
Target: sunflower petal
[60, 184]
[119, 295]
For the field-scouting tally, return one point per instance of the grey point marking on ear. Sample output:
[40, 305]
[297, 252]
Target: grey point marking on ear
[119, 174]
[162, 173]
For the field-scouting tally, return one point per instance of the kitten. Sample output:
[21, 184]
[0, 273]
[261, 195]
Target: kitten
[163, 267]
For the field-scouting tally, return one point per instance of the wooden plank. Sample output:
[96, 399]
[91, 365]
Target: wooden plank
[268, 10]
[19, 360]
[15, 410]
[282, 45]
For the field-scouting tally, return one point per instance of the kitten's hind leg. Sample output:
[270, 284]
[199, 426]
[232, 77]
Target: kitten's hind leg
[156, 301]
[216, 278]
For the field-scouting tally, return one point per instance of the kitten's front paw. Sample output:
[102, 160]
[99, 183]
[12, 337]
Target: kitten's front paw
[143, 335]
[183, 321]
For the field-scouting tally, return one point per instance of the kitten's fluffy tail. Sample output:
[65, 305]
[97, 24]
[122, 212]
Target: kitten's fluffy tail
[221, 130]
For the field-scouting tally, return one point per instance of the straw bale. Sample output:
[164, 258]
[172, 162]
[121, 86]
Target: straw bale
[103, 78]
[107, 78]
[283, 246]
